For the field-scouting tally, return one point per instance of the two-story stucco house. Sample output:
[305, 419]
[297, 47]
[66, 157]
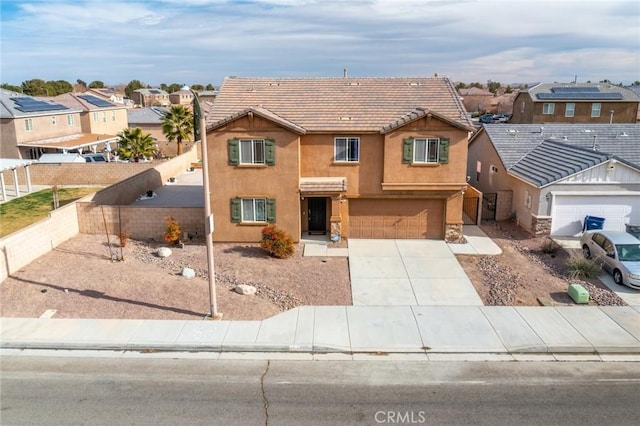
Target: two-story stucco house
[575, 103]
[349, 157]
[33, 126]
[150, 97]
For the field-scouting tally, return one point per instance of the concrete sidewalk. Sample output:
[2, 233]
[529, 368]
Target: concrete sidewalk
[427, 332]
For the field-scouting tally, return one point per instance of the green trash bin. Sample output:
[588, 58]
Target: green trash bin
[578, 293]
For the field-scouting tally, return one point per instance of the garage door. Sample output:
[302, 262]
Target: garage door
[617, 210]
[396, 219]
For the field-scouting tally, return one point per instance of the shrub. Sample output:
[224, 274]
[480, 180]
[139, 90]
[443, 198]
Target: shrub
[579, 267]
[277, 242]
[172, 231]
[549, 246]
[124, 236]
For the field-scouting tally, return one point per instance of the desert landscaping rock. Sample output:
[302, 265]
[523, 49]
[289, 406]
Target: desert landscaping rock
[245, 289]
[164, 252]
[188, 273]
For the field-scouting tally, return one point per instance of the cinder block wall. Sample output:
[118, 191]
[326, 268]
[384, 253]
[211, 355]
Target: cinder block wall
[141, 223]
[21, 248]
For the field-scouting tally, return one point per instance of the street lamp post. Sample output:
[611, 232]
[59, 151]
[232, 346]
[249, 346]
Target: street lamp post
[201, 130]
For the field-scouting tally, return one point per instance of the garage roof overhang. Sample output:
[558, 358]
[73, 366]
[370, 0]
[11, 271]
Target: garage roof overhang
[423, 186]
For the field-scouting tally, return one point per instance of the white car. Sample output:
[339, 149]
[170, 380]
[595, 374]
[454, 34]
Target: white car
[619, 253]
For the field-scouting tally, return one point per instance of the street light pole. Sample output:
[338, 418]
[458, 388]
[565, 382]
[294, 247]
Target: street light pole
[202, 129]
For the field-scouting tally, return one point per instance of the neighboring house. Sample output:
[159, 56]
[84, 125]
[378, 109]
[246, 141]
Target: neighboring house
[636, 89]
[352, 157]
[98, 116]
[575, 103]
[33, 126]
[476, 99]
[548, 178]
[207, 95]
[150, 121]
[183, 96]
[110, 95]
[150, 97]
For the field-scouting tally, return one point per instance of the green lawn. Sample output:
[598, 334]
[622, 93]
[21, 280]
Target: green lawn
[23, 211]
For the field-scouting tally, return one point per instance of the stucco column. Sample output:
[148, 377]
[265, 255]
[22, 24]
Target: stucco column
[15, 181]
[4, 188]
[28, 178]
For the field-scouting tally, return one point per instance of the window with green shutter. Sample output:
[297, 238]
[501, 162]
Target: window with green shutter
[270, 151]
[425, 150]
[234, 151]
[236, 210]
[248, 210]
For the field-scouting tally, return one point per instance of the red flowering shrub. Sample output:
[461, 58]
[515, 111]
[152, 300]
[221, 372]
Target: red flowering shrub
[277, 242]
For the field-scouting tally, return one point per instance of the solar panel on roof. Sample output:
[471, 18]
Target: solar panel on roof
[25, 104]
[154, 91]
[94, 100]
[582, 89]
[581, 96]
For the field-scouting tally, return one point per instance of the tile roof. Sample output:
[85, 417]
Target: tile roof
[339, 104]
[149, 115]
[576, 92]
[551, 161]
[514, 142]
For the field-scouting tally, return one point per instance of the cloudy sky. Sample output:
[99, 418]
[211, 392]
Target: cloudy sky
[203, 41]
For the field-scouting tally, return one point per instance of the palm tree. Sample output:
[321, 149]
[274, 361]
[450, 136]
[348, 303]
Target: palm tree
[133, 144]
[177, 125]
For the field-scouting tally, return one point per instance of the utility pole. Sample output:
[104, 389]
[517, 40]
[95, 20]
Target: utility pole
[200, 129]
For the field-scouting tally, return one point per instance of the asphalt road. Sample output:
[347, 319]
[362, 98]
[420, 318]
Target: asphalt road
[108, 391]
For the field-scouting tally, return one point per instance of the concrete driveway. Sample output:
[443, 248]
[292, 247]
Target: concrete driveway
[408, 272]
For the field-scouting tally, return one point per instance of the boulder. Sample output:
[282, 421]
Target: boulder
[245, 289]
[164, 252]
[188, 273]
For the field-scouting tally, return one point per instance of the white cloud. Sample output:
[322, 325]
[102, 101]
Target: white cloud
[207, 40]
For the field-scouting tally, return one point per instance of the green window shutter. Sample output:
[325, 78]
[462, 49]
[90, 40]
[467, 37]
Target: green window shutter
[443, 155]
[271, 210]
[407, 151]
[270, 151]
[236, 210]
[234, 152]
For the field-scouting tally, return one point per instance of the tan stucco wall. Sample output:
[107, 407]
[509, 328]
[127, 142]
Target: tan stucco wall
[279, 181]
[312, 155]
[105, 125]
[8, 148]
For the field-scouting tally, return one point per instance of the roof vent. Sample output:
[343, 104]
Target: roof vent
[414, 83]
[587, 131]
[353, 83]
[624, 134]
[512, 131]
[274, 84]
[345, 118]
[564, 138]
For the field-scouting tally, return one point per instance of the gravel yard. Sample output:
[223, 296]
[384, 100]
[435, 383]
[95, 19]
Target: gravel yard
[79, 280]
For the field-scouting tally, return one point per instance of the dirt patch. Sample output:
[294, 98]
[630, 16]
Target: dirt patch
[525, 276]
[79, 280]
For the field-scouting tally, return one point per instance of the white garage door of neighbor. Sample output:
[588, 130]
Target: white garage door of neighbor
[569, 212]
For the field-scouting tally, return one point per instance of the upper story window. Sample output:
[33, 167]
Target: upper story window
[570, 109]
[113, 116]
[252, 151]
[28, 124]
[347, 149]
[548, 108]
[595, 109]
[425, 151]
[95, 117]
[70, 120]
[54, 120]
[104, 116]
